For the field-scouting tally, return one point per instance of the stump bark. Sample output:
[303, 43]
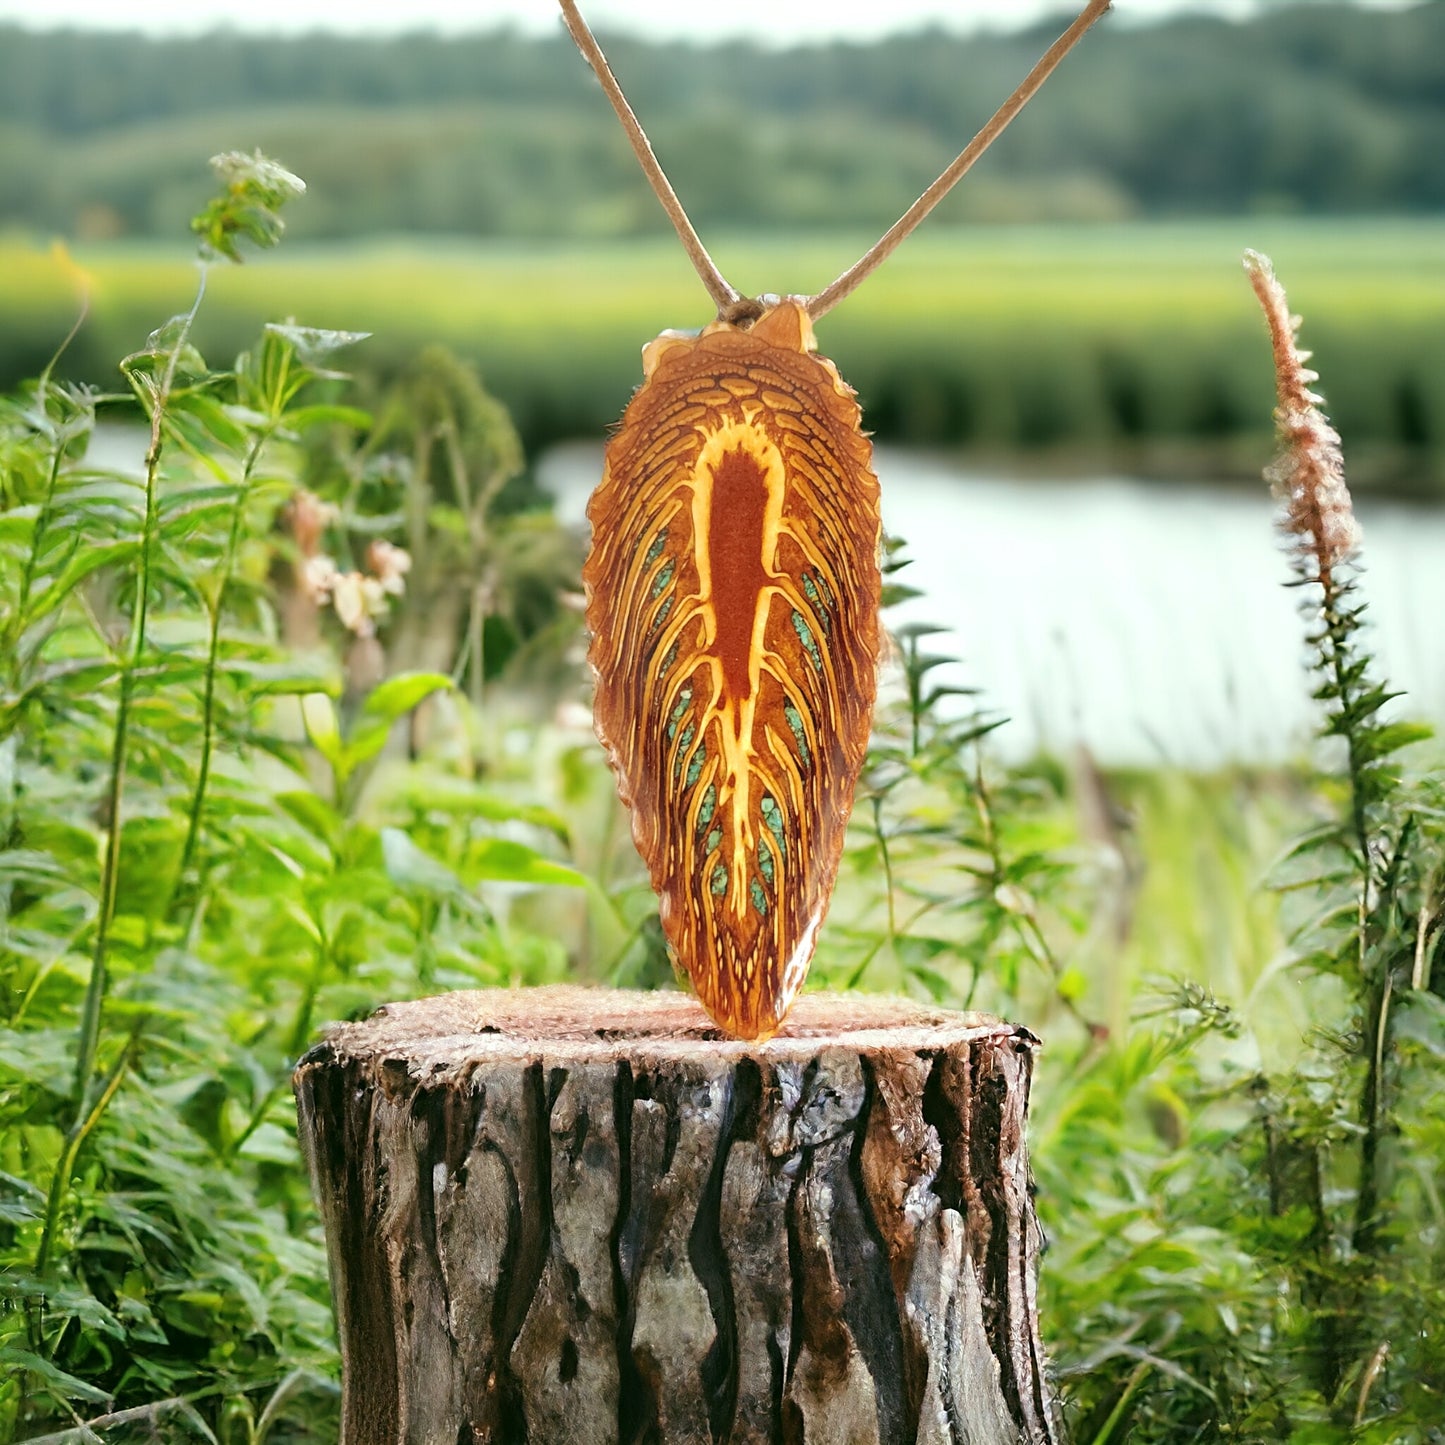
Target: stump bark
[588, 1218]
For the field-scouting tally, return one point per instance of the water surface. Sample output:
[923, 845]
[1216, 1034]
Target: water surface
[1148, 620]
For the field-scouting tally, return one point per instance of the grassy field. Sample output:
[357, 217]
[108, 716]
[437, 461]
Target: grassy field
[1086, 338]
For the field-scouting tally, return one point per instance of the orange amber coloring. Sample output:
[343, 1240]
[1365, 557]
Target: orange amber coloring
[732, 597]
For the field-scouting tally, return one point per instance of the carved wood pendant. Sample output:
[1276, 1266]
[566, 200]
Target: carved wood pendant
[732, 597]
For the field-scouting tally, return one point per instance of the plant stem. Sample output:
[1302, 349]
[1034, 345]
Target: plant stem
[301, 1028]
[862, 966]
[881, 833]
[27, 574]
[1025, 925]
[65, 1165]
[208, 700]
[256, 1119]
[1315, 1290]
[1131, 1387]
[1377, 1041]
[87, 1431]
[95, 988]
[1367, 1380]
[42, 519]
[1372, 1117]
[476, 662]
[1338, 663]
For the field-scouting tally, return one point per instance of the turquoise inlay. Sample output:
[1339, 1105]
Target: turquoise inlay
[760, 899]
[706, 809]
[713, 840]
[719, 883]
[810, 644]
[655, 551]
[683, 744]
[814, 595]
[773, 817]
[800, 733]
[765, 862]
[666, 665]
[694, 768]
[663, 580]
[684, 701]
[660, 616]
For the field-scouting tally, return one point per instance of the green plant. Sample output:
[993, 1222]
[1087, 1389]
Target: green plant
[1252, 1234]
[1351, 1162]
[201, 854]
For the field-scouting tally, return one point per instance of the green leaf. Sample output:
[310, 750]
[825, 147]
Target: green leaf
[393, 699]
[278, 678]
[503, 861]
[92, 557]
[909, 631]
[895, 593]
[314, 814]
[254, 190]
[56, 1379]
[205, 428]
[398, 695]
[25, 1200]
[30, 866]
[411, 867]
[322, 414]
[1421, 1020]
[18, 524]
[314, 344]
[1382, 741]
[271, 1143]
[433, 790]
[319, 716]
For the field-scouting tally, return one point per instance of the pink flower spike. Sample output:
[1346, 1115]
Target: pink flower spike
[1309, 474]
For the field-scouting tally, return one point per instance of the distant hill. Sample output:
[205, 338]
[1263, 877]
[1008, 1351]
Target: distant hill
[1306, 108]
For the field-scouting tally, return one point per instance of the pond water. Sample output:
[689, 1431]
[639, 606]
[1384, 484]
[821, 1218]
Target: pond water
[1148, 620]
[1144, 619]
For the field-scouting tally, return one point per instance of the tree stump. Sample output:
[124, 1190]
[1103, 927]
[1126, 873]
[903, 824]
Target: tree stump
[567, 1217]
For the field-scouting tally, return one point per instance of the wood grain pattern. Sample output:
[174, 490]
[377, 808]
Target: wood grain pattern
[563, 1215]
[732, 597]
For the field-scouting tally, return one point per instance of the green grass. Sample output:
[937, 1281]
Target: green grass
[1095, 338]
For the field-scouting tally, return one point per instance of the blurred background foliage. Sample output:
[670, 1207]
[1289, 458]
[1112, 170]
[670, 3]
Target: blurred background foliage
[1311, 108]
[1077, 292]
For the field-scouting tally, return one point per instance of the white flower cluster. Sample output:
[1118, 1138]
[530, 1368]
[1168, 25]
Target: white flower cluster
[360, 599]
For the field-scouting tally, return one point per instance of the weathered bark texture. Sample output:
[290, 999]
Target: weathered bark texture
[570, 1217]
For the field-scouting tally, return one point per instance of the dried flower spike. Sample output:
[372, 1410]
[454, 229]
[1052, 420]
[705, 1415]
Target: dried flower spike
[1309, 474]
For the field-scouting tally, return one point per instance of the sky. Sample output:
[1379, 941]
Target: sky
[781, 21]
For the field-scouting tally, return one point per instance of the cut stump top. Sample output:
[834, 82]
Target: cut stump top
[587, 1215]
[573, 1023]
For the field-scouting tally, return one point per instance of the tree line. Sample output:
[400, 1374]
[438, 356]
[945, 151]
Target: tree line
[1304, 108]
